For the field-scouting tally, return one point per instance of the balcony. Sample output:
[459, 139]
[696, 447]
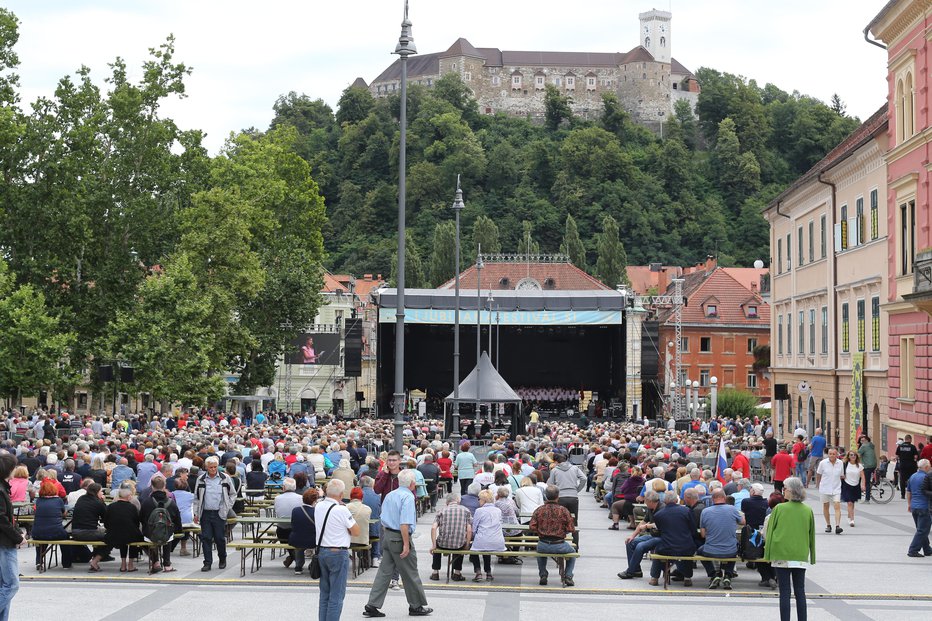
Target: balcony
[921, 297]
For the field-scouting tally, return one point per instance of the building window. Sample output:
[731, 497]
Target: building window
[467, 76]
[844, 327]
[825, 329]
[705, 344]
[811, 241]
[789, 334]
[907, 367]
[862, 326]
[752, 345]
[780, 256]
[539, 82]
[496, 80]
[859, 220]
[907, 237]
[590, 84]
[875, 323]
[875, 216]
[570, 82]
[752, 312]
[711, 310]
[684, 343]
[704, 378]
[516, 82]
[844, 227]
[812, 331]
[799, 245]
[780, 335]
[752, 380]
[802, 332]
[822, 234]
[789, 254]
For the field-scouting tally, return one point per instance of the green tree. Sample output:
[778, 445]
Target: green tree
[169, 334]
[442, 253]
[572, 245]
[612, 260]
[733, 403]
[526, 243]
[414, 267]
[32, 343]
[689, 129]
[556, 108]
[354, 105]
[485, 233]
[837, 105]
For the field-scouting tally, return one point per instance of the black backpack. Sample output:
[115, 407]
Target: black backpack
[159, 525]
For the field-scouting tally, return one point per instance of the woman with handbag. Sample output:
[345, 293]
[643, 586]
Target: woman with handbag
[303, 531]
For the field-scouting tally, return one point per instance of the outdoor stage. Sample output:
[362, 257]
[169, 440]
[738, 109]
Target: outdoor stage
[561, 339]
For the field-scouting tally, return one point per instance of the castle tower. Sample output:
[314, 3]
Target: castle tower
[655, 34]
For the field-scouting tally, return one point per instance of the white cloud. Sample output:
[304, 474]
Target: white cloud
[245, 54]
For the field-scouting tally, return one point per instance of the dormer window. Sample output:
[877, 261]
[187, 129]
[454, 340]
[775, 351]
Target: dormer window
[504, 281]
[711, 310]
[751, 312]
[550, 283]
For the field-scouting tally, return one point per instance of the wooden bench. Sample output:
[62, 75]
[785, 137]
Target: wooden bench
[359, 555]
[669, 560]
[48, 550]
[559, 558]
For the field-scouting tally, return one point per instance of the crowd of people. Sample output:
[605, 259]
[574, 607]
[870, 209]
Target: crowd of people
[199, 469]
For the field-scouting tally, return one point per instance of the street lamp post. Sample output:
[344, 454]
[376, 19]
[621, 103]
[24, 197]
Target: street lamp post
[689, 397]
[457, 208]
[404, 49]
[695, 398]
[713, 397]
[479, 267]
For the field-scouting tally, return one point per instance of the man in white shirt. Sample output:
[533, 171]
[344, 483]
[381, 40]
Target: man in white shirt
[828, 479]
[337, 527]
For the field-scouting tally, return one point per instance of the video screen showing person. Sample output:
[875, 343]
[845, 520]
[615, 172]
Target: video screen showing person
[319, 349]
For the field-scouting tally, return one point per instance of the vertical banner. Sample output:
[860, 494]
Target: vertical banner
[857, 396]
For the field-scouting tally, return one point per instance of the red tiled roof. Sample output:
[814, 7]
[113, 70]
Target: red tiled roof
[731, 297]
[747, 276]
[499, 276]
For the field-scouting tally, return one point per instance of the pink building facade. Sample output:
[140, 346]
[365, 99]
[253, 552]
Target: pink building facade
[905, 28]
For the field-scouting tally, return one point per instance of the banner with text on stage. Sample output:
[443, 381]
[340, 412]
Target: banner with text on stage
[507, 318]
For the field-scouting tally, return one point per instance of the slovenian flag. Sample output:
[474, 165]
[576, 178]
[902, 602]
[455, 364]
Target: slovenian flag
[721, 463]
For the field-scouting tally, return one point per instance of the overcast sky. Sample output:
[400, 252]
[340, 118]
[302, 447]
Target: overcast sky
[245, 54]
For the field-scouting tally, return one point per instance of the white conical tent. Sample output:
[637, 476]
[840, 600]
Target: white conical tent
[492, 387]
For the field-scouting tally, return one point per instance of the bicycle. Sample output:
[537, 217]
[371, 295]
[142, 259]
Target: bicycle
[882, 490]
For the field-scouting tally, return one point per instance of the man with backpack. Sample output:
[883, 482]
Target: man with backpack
[161, 520]
[214, 495]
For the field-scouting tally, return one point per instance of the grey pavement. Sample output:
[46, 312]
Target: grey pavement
[862, 574]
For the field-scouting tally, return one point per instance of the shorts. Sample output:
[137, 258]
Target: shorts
[827, 498]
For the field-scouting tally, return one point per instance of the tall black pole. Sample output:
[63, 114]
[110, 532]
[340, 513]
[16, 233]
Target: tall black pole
[457, 208]
[404, 49]
[478, 329]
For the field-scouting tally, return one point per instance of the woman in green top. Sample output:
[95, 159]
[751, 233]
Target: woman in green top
[465, 467]
[791, 546]
[868, 455]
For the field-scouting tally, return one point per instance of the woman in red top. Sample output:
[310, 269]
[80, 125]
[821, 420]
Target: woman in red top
[446, 469]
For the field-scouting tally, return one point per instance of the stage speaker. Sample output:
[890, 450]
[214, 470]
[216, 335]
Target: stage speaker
[127, 374]
[352, 348]
[105, 373]
[359, 396]
[780, 392]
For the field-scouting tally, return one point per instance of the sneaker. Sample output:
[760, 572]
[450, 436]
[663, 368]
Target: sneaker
[298, 572]
[851, 523]
[714, 582]
[543, 581]
[568, 581]
[687, 582]
[915, 555]
[726, 584]
[394, 586]
[627, 575]
[839, 530]
[828, 529]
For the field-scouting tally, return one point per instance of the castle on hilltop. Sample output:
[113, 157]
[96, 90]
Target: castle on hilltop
[647, 79]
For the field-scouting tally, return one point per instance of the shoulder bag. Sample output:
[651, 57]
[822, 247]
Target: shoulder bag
[315, 560]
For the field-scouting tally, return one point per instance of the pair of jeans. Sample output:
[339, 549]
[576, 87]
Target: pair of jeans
[923, 521]
[334, 570]
[555, 548]
[868, 482]
[801, 472]
[213, 530]
[9, 580]
[798, 575]
[637, 548]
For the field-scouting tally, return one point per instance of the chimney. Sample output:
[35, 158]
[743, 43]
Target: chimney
[710, 263]
[367, 276]
[753, 287]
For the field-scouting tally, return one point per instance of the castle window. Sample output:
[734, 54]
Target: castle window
[495, 80]
[454, 66]
[570, 82]
[643, 76]
[663, 42]
[516, 82]
[539, 82]
[467, 76]
[428, 81]
[590, 84]
[674, 86]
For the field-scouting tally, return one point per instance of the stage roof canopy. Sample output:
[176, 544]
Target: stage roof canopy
[492, 387]
[436, 306]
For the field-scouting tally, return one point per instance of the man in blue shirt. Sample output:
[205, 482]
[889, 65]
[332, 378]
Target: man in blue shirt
[399, 519]
[374, 502]
[816, 452]
[717, 524]
[918, 505]
[676, 527]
